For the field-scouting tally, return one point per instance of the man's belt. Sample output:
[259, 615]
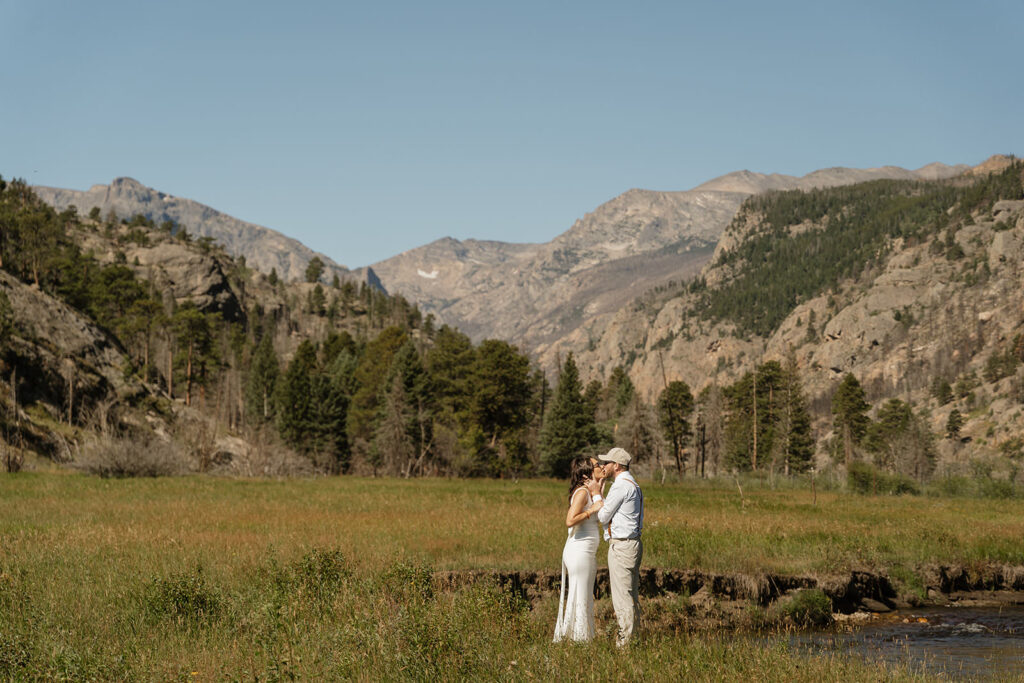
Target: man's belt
[628, 538]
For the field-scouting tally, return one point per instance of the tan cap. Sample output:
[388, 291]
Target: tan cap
[618, 455]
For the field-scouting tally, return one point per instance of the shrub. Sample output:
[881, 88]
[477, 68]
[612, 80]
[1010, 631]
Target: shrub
[810, 607]
[981, 485]
[996, 488]
[899, 484]
[186, 597]
[864, 479]
[319, 572]
[953, 486]
[121, 457]
[410, 581]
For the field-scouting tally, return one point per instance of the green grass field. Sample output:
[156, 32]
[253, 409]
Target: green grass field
[198, 578]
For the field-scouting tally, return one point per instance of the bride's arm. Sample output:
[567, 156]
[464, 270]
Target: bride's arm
[576, 512]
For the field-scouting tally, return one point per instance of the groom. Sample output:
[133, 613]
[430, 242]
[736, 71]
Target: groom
[623, 517]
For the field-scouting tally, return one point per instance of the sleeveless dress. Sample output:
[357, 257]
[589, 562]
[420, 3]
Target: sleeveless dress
[579, 568]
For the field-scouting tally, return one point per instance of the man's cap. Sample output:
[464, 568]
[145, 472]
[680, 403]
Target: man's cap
[618, 455]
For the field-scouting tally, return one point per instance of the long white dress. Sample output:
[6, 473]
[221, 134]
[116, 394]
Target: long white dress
[579, 568]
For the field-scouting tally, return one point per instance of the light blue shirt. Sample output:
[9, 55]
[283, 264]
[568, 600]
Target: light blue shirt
[623, 510]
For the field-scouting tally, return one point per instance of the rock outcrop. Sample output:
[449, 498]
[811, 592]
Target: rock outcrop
[60, 359]
[188, 276]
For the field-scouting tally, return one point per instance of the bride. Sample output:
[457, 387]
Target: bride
[579, 558]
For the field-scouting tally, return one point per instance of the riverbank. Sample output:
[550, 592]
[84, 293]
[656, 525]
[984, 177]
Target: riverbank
[701, 601]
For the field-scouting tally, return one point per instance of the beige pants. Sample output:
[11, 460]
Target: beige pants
[624, 575]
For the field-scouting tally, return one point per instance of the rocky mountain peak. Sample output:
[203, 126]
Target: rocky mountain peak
[126, 182]
[263, 248]
[994, 164]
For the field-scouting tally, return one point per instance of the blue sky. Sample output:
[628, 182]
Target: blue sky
[364, 129]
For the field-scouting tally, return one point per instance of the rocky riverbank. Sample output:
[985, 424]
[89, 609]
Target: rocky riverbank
[707, 599]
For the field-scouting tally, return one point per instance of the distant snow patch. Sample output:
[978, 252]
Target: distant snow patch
[432, 275]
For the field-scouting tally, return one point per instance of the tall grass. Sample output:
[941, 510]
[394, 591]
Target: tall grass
[331, 578]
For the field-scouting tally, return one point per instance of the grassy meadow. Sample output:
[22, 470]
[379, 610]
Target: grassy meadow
[199, 578]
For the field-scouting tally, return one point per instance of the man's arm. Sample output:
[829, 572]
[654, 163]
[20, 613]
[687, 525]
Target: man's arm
[616, 494]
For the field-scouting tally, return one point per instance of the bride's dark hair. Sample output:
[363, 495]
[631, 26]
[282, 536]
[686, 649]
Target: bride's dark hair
[580, 470]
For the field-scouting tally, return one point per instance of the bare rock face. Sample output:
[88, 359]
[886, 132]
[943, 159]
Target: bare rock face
[532, 294]
[59, 357]
[263, 248]
[188, 276]
[994, 164]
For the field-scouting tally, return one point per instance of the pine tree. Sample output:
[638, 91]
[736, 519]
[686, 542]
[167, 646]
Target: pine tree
[618, 395]
[449, 364]
[675, 405]
[901, 440]
[849, 414]
[194, 332]
[569, 430]
[796, 443]
[295, 399]
[954, 424]
[406, 399]
[6, 319]
[370, 376]
[143, 318]
[316, 301]
[335, 344]
[314, 269]
[942, 391]
[330, 390]
[500, 393]
[393, 442]
[262, 381]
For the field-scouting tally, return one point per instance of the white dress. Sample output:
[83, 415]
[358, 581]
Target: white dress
[579, 568]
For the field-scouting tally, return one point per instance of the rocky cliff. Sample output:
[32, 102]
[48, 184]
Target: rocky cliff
[60, 362]
[937, 305]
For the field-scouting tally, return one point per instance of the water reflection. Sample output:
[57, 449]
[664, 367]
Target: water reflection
[964, 641]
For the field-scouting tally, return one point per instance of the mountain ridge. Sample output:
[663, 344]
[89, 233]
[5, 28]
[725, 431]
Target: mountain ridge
[524, 292]
[529, 293]
[263, 248]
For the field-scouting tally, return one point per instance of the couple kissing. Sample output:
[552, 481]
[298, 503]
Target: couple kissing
[621, 513]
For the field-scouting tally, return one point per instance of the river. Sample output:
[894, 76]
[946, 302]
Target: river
[969, 642]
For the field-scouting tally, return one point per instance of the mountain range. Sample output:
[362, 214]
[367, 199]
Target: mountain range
[538, 294]
[531, 294]
[906, 279]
